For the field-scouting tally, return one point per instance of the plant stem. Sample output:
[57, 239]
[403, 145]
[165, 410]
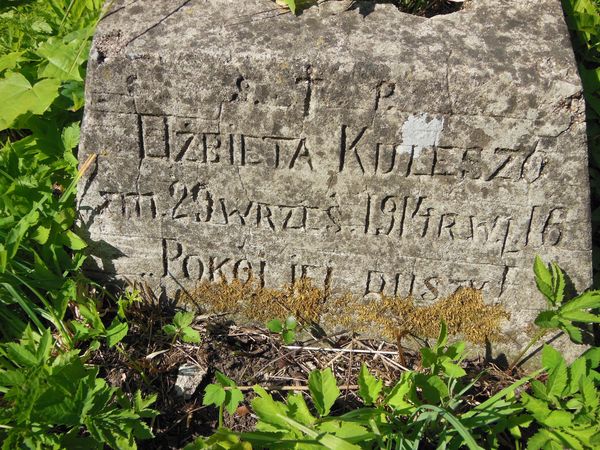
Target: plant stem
[540, 334]
[221, 415]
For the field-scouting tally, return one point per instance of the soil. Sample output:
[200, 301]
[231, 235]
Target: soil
[147, 359]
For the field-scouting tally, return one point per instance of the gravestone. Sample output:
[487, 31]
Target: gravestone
[370, 150]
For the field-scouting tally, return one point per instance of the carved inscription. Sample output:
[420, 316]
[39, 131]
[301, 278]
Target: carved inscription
[378, 192]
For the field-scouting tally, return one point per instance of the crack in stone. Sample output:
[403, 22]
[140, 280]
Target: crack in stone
[176, 10]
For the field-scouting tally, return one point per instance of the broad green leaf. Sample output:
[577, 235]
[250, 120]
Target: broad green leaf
[574, 332]
[291, 323]
[543, 279]
[19, 97]
[288, 337]
[41, 234]
[71, 240]
[453, 370]
[19, 354]
[547, 319]
[233, 398]
[224, 380]
[298, 410]
[275, 326]
[538, 408]
[183, 319]
[433, 388]
[551, 358]
[369, 387]
[428, 357]
[345, 430]
[63, 59]
[169, 329]
[70, 136]
[323, 389]
[557, 380]
[17, 233]
[268, 410]
[397, 396]
[116, 332]
[214, 394]
[190, 335]
[10, 60]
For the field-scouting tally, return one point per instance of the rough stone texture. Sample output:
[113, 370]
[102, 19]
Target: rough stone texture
[373, 152]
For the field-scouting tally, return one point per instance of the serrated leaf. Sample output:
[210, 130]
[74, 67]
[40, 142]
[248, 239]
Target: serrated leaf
[19, 97]
[580, 316]
[70, 136]
[587, 300]
[539, 440]
[543, 279]
[214, 394]
[428, 357]
[577, 371]
[547, 319]
[558, 283]
[323, 389]
[298, 410]
[224, 380]
[169, 329]
[397, 396]
[190, 335]
[369, 387]
[538, 408]
[558, 419]
[41, 234]
[183, 319]
[551, 358]
[233, 398]
[574, 333]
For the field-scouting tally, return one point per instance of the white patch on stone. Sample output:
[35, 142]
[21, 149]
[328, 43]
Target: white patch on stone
[421, 131]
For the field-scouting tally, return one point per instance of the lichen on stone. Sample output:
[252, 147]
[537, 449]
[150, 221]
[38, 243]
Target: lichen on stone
[465, 312]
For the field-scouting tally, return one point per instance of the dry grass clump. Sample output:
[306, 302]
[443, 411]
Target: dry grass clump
[464, 312]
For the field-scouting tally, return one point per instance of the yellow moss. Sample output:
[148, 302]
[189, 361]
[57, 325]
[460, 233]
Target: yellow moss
[464, 312]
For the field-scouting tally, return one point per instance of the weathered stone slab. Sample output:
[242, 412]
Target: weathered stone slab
[374, 153]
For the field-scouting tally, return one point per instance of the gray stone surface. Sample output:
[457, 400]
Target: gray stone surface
[374, 152]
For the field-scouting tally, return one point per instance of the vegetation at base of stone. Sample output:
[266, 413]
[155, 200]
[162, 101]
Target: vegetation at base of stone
[555, 407]
[427, 408]
[583, 18]
[49, 396]
[418, 7]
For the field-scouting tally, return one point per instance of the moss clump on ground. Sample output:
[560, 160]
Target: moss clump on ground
[464, 312]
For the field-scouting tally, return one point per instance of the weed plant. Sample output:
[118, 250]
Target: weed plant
[49, 397]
